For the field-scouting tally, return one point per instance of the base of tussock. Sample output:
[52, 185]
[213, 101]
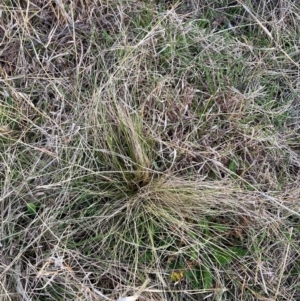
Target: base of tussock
[149, 149]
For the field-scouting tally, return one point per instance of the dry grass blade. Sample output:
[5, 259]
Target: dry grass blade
[149, 150]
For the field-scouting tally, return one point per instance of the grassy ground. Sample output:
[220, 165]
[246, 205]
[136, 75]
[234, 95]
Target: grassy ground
[149, 142]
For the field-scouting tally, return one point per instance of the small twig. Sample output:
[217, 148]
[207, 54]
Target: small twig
[137, 294]
[283, 264]
[268, 33]
[280, 205]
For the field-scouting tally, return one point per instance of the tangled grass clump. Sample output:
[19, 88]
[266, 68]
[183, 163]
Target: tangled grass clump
[149, 150]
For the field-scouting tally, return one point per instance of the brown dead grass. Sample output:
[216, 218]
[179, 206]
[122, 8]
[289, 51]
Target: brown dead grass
[142, 138]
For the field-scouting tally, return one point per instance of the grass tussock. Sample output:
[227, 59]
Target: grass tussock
[149, 149]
